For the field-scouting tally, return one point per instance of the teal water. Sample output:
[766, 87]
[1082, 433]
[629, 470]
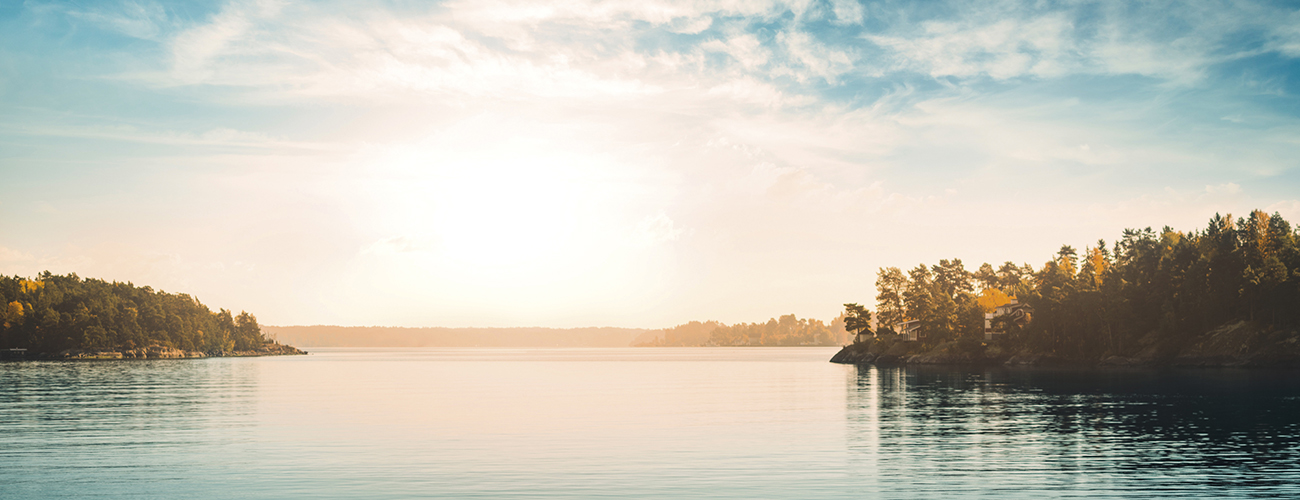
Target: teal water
[636, 423]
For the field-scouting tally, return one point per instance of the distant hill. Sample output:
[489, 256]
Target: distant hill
[389, 336]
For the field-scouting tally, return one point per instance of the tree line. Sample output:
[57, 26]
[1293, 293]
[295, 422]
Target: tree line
[53, 313]
[1106, 299]
[786, 330]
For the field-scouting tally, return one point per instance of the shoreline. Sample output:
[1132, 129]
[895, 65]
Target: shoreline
[145, 353]
[1237, 345]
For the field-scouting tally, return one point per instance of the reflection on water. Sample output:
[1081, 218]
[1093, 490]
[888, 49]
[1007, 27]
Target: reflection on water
[86, 425]
[635, 423]
[1105, 433]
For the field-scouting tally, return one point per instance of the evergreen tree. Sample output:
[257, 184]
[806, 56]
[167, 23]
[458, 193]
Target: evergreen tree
[891, 284]
[53, 313]
[1110, 301]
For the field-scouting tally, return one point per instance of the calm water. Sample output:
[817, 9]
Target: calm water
[636, 423]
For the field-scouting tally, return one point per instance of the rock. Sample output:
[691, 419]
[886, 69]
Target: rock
[1240, 344]
[1030, 359]
[86, 354]
[893, 351]
[900, 350]
[1121, 361]
[854, 354]
[159, 351]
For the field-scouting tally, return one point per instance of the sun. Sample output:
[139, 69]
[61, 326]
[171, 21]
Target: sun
[506, 215]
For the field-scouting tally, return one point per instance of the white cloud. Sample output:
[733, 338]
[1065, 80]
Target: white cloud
[610, 13]
[655, 229]
[811, 58]
[481, 152]
[1285, 34]
[145, 20]
[749, 90]
[1225, 188]
[12, 257]
[1177, 43]
[1290, 210]
[745, 49]
[848, 11]
[1174, 62]
[381, 56]
[223, 137]
[194, 50]
[1002, 49]
[690, 25]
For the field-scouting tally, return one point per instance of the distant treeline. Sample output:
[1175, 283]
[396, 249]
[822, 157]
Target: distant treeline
[53, 313]
[386, 336]
[1111, 300]
[784, 331]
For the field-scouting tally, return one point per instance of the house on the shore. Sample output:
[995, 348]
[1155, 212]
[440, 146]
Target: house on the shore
[909, 330]
[1015, 313]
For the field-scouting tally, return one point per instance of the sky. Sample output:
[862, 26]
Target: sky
[619, 163]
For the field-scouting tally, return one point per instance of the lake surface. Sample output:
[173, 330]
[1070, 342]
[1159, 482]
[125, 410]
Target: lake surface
[636, 423]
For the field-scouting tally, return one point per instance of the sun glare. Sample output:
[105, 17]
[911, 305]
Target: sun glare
[509, 214]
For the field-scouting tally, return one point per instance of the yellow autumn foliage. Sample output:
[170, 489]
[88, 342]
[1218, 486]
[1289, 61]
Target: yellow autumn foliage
[13, 313]
[991, 298]
[1097, 265]
[29, 286]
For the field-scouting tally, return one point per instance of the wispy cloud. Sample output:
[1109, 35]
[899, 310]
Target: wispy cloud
[222, 137]
[137, 19]
[1001, 49]
[1174, 42]
[655, 229]
[604, 155]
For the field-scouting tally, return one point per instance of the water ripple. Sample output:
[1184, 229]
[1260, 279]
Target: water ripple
[636, 423]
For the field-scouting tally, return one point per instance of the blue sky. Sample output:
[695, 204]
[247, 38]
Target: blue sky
[499, 163]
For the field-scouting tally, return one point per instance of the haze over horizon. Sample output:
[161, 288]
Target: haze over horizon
[622, 163]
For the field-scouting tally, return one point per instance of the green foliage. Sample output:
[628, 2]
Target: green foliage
[857, 319]
[1100, 302]
[891, 284]
[54, 313]
[1171, 285]
[942, 297]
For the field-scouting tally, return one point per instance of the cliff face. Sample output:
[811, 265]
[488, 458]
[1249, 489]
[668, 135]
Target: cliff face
[1239, 344]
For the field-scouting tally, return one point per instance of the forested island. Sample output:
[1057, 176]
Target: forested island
[787, 330]
[783, 331]
[397, 336]
[1227, 295]
[67, 317]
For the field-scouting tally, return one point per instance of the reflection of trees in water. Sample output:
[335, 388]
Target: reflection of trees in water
[1211, 428]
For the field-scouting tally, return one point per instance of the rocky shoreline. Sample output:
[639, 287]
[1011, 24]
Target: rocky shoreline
[1239, 344]
[165, 352]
